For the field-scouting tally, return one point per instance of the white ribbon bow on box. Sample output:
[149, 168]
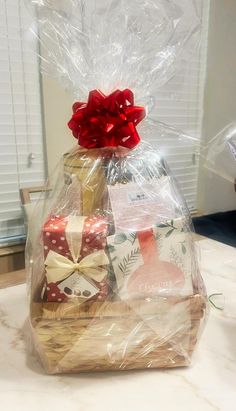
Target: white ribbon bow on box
[58, 267]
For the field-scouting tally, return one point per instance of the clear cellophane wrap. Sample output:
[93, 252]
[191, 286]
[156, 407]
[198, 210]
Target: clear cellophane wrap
[113, 272]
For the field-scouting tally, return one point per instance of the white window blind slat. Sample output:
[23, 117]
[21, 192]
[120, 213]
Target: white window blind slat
[23, 148]
[20, 117]
[22, 168]
[9, 159]
[9, 196]
[10, 216]
[7, 207]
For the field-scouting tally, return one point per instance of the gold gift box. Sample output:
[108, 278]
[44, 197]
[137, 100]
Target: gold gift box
[88, 167]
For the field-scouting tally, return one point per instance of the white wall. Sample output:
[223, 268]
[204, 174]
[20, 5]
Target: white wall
[57, 113]
[215, 193]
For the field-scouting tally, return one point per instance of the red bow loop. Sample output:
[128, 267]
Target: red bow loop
[107, 121]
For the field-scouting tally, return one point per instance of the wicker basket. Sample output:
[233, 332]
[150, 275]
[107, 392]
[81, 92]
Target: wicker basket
[115, 335]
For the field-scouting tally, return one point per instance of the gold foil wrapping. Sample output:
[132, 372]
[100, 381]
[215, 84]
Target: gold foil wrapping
[87, 166]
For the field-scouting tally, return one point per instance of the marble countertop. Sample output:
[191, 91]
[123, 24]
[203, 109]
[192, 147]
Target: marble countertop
[210, 384]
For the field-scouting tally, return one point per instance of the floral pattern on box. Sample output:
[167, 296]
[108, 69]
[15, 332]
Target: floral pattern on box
[152, 262]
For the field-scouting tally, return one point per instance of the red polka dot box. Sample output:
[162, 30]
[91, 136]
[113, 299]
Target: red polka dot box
[73, 246]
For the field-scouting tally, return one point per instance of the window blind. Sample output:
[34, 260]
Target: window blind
[21, 142]
[180, 105]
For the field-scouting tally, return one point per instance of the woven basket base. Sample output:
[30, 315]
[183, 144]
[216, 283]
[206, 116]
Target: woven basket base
[108, 336]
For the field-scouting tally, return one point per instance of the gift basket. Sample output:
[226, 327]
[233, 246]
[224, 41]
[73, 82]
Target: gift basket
[113, 273]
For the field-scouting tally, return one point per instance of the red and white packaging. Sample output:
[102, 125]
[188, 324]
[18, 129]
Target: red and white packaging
[75, 258]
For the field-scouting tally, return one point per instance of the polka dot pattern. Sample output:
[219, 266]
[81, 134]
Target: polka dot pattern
[93, 239]
[54, 294]
[54, 236]
[94, 235]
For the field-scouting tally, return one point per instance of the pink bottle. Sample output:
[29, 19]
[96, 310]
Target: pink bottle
[155, 275]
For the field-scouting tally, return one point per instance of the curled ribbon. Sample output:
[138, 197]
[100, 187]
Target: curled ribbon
[107, 121]
[58, 267]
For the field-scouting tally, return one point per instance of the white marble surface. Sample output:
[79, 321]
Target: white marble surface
[210, 384]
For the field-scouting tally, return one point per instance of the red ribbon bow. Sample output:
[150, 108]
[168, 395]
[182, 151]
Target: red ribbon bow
[107, 121]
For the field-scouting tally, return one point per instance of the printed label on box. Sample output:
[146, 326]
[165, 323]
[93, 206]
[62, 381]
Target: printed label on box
[140, 206]
[78, 286]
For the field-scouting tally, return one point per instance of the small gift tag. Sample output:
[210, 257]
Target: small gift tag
[78, 286]
[140, 206]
